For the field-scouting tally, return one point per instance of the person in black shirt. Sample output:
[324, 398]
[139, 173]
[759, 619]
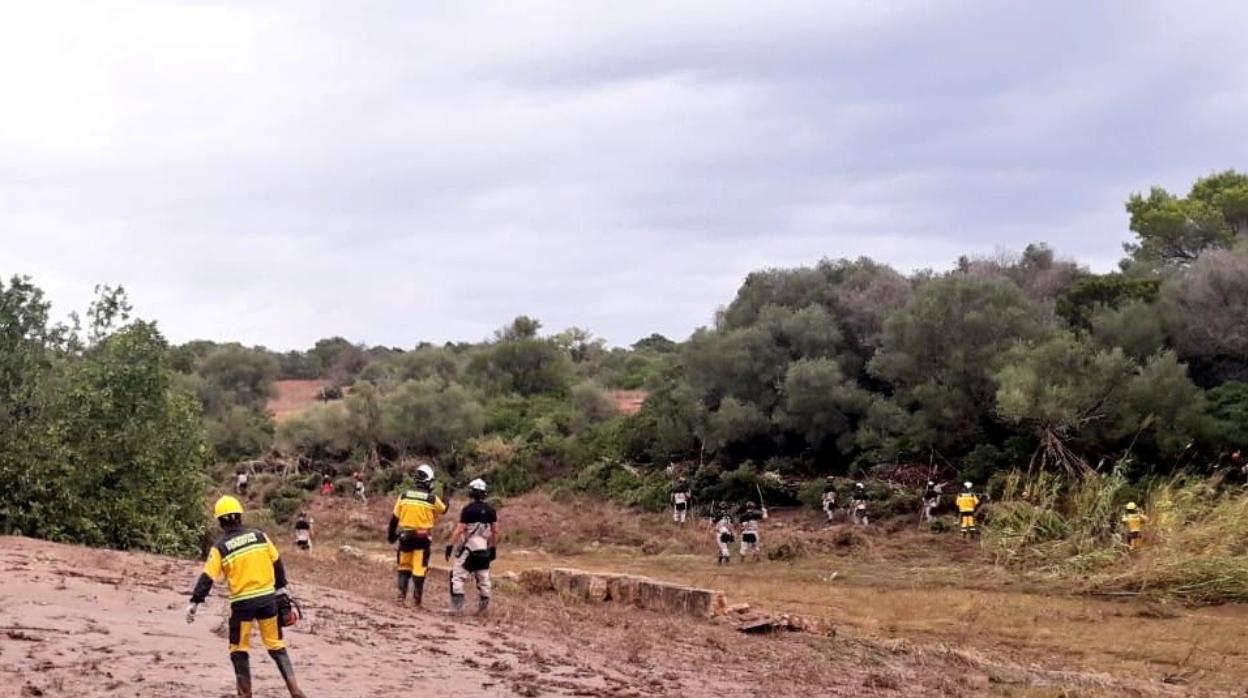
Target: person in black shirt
[473, 546]
[303, 531]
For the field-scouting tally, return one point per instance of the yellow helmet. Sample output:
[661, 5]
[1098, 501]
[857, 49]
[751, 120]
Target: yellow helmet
[1130, 506]
[225, 506]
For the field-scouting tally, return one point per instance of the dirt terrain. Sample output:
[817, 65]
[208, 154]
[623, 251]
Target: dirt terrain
[294, 395]
[87, 623]
[913, 613]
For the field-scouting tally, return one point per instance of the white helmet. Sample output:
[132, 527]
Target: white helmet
[477, 485]
[424, 473]
[967, 484]
[860, 485]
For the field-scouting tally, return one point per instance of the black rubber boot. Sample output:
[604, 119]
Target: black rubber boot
[287, 670]
[418, 591]
[483, 606]
[404, 576]
[242, 673]
[457, 604]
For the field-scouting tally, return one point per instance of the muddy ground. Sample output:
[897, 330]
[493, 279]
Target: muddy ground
[913, 614]
[87, 623]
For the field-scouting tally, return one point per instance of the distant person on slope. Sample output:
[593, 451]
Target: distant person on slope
[256, 578]
[680, 501]
[240, 483]
[303, 531]
[968, 504]
[411, 526]
[473, 547]
[327, 486]
[751, 540]
[360, 489]
[828, 500]
[858, 505]
[723, 535]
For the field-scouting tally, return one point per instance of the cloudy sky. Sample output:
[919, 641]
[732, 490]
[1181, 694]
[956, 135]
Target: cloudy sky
[397, 172]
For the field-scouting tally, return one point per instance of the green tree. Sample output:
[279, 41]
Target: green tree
[1059, 387]
[1175, 231]
[422, 416]
[735, 423]
[364, 418]
[241, 376]
[1092, 293]
[95, 445]
[521, 363]
[1209, 306]
[1136, 327]
[240, 433]
[940, 353]
[1228, 192]
[321, 432]
[821, 404]
[1228, 412]
[1163, 406]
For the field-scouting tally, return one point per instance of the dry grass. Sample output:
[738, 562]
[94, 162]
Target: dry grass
[897, 600]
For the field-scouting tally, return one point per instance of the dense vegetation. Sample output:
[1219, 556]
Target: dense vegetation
[95, 445]
[1012, 361]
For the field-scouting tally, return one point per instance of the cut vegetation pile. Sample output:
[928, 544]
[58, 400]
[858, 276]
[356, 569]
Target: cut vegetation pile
[1195, 544]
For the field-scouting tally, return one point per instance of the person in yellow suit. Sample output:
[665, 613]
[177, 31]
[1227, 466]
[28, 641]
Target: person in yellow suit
[1134, 521]
[968, 503]
[256, 577]
[411, 526]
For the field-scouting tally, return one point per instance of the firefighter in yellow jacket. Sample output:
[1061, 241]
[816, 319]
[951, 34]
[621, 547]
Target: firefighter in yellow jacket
[968, 503]
[411, 526]
[256, 579]
[1133, 520]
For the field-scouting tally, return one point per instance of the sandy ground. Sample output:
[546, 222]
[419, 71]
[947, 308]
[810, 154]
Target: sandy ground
[80, 622]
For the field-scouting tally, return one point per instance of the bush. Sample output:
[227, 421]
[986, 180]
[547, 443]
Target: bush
[285, 501]
[810, 494]
[386, 480]
[344, 486]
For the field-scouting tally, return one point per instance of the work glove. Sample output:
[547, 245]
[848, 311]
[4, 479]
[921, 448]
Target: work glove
[191, 608]
[448, 552]
[493, 553]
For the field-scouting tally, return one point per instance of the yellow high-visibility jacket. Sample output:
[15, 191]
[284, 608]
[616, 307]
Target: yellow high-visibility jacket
[967, 503]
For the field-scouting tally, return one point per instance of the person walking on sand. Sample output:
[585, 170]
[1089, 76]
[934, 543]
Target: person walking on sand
[680, 501]
[751, 539]
[411, 526]
[303, 531]
[256, 578]
[473, 546]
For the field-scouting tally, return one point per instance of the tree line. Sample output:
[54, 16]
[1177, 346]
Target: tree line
[1006, 361]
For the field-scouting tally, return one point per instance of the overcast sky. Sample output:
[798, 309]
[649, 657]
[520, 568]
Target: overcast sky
[396, 172]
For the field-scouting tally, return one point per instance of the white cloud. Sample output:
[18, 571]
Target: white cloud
[401, 172]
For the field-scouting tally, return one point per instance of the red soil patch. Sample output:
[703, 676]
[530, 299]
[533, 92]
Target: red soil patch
[629, 401]
[293, 396]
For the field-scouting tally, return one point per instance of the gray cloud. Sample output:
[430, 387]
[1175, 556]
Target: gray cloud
[398, 172]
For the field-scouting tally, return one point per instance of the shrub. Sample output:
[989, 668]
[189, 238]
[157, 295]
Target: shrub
[285, 501]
